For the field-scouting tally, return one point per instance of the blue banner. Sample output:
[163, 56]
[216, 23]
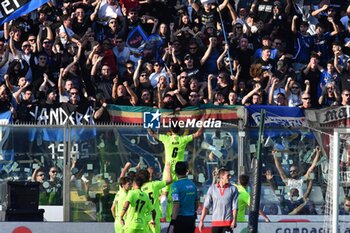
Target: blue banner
[136, 39]
[276, 116]
[277, 119]
[5, 118]
[12, 9]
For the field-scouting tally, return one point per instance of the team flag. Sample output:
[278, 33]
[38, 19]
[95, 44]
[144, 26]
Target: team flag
[12, 9]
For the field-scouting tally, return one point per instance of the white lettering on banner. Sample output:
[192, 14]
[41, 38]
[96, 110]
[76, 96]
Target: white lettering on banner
[57, 116]
[8, 8]
[280, 121]
[191, 123]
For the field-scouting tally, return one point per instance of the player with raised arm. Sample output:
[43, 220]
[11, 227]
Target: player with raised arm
[137, 205]
[120, 197]
[154, 189]
[174, 145]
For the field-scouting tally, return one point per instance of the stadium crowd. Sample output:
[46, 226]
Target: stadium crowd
[78, 53]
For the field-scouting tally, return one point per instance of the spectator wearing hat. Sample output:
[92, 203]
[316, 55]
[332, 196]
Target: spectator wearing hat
[239, 30]
[191, 69]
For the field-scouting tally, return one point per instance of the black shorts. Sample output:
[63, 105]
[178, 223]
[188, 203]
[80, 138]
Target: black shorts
[221, 230]
[185, 224]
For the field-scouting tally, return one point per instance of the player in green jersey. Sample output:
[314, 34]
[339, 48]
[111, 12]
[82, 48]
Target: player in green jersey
[137, 204]
[153, 190]
[174, 145]
[119, 200]
[125, 183]
[244, 199]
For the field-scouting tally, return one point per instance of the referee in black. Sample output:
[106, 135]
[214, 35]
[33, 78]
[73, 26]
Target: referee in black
[185, 198]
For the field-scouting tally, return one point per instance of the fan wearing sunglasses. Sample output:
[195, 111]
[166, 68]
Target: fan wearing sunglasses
[295, 179]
